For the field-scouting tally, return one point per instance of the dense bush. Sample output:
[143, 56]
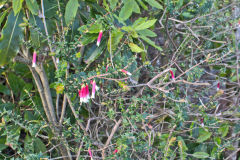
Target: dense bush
[129, 79]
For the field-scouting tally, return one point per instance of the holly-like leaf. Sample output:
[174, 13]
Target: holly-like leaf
[11, 37]
[71, 11]
[32, 6]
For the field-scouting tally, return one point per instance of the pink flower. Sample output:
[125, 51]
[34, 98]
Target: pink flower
[115, 151]
[202, 122]
[84, 94]
[218, 86]
[94, 88]
[99, 38]
[107, 68]
[90, 152]
[126, 72]
[34, 59]
[172, 75]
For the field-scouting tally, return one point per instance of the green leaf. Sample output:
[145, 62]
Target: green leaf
[154, 3]
[187, 15]
[95, 28]
[224, 130]
[204, 135]
[142, 4]
[113, 3]
[116, 36]
[139, 21]
[147, 33]
[200, 155]
[88, 38]
[126, 10]
[3, 15]
[94, 54]
[28, 145]
[17, 6]
[145, 25]
[16, 83]
[2, 143]
[71, 11]
[33, 6]
[135, 48]
[151, 43]
[39, 146]
[136, 8]
[11, 37]
[36, 38]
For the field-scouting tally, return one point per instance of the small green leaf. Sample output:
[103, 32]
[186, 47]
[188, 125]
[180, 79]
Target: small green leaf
[3, 15]
[145, 25]
[151, 43]
[136, 8]
[147, 33]
[78, 55]
[224, 130]
[95, 28]
[113, 3]
[95, 54]
[142, 4]
[154, 3]
[39, 146]
[204, 135]
[187, 15]
[200, 155]
[17, 6]
[135, 48]
[116, 36]
[33, 6]
[71, 11]
[126, 10]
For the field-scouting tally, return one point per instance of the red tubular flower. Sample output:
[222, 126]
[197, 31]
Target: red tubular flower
[99, 38]
[218, 86]
[90, 152]
[115, 151]
[172, 75]
[81, 93]
[34, 59]
[126, 72]
[93, 89]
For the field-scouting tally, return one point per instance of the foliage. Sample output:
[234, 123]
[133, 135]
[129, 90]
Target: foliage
[140, 110]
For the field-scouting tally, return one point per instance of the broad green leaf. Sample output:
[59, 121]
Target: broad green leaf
[224, 130]
[11, 37]
[200, 155]
[17, 6]
[33, 6]
[147, 33]
[135, 48]
[142, 4]
[126, 10]
[136, 8]
[204, 135]
[116, 36]
[16, 83]
[149, 41]
[145, 25]
[2, 143]
[154, 3]
[71, 11]
[95, 54]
